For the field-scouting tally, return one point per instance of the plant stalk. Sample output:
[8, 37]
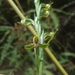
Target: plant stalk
[41, 61]
[62, 70]
[41, 38]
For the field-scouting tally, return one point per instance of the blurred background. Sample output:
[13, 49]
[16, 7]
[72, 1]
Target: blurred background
[15, 60]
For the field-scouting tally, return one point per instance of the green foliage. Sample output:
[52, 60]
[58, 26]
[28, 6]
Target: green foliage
[55, 20]
[5, 28]
[67, 54]
[0, 2]
[15, 59]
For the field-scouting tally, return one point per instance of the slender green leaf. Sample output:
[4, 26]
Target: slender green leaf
[5, 52]
[43, 45]
[55, 19]
[11, 37]
[29, 47]
[5, 28]
[0, 2]
[5, 35]
[68, 54]
[48, 72]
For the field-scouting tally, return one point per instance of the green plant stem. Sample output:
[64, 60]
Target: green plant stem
[62, 70]
[41, 38]
[41, 61]
[36, 59]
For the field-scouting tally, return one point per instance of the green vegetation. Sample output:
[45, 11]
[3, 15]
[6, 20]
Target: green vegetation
[21, 53]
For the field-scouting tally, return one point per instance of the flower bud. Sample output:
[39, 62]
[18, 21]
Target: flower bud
[23, 21]
[47, 6]
[46, 14]
[51, 33]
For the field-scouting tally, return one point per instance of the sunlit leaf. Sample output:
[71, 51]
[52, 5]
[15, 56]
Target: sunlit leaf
[43, 45]
[26, 22]
[29, 47]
